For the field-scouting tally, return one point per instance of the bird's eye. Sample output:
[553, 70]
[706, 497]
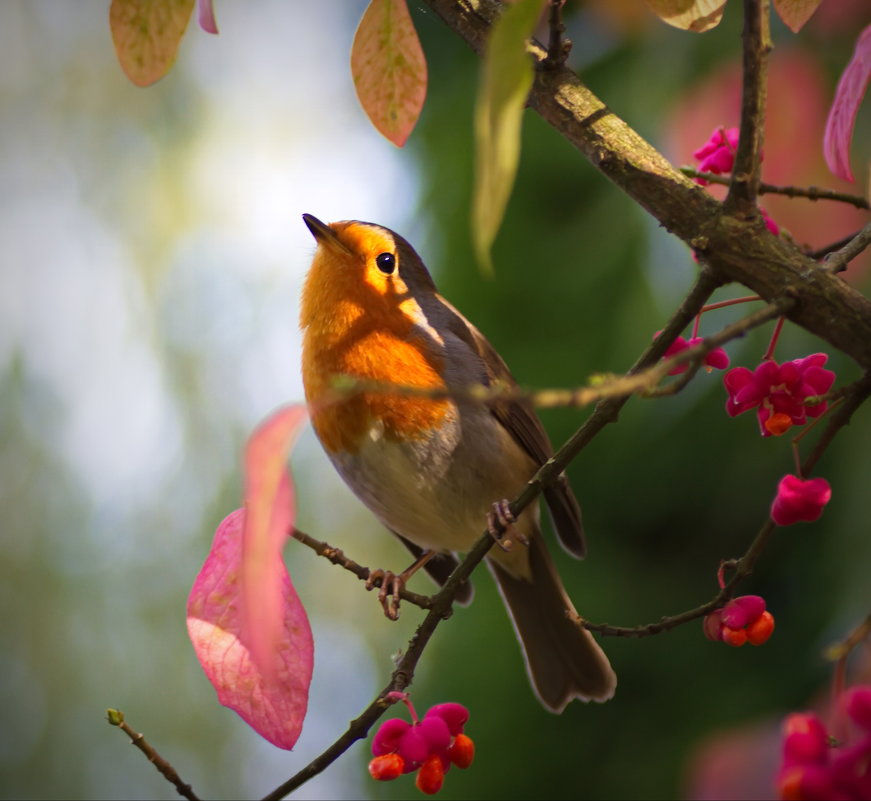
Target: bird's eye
[386, 262]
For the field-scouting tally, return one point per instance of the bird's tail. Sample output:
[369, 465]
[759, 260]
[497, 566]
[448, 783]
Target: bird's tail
[562, 658]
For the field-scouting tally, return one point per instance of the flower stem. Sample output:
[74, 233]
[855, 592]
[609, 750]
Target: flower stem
[769, 353]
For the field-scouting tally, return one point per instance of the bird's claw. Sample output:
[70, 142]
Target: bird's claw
[500, 521]
[391, 586]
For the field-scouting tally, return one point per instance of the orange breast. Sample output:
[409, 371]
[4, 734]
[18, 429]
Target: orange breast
[378, 350]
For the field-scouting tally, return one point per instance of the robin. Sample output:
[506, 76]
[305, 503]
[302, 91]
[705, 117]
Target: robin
[434, 470]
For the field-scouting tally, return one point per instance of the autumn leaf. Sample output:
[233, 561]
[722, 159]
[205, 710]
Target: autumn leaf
[147, 34]
[842, 116]
[206, 16]
[697, 16]
[389, 69]
[795, 13]
[245, 620]
[506, 78]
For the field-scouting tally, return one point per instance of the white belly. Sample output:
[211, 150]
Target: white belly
[437, 491]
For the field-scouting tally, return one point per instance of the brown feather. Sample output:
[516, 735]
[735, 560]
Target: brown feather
[562, 658]
[518, 417]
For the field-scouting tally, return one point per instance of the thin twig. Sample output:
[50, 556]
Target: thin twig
[116, 718]
[826, 249]
[837, 261]
[810, 192]
[756, 37]
[336, 556]
[557, 47]
[642, 382]
[840, 651]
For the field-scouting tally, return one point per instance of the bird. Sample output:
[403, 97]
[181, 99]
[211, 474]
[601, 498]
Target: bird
[436, 469]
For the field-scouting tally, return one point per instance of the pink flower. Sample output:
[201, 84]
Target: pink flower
[845, 106]
[429, 746]
[717, 155]
[779, 393]
[798, 500]
[743, 619]
[813, 768]
[717, 358]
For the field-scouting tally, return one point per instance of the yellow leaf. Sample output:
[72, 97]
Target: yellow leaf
[795, 13]
[506, 78]
[389, 69]
[689, 15]
[146, 34]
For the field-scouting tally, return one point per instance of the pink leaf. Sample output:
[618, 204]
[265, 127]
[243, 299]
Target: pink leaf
[146, 34]
[842, 115]
[389, 69]
[206, 16]
[248, 627]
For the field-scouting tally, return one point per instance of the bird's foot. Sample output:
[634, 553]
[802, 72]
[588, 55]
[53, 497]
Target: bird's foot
[500, 522]
[392, 584]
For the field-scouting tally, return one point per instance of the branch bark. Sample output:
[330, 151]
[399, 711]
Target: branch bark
[736, 249]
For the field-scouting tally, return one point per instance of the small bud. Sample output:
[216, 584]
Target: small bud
[804, 738]
[386, 767]
[857, 702]
[799, 500]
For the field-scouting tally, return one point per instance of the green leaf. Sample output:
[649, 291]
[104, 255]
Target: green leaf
[506, 78]
[147, 34]
[389, 69]
[795, 13]
[697, 16]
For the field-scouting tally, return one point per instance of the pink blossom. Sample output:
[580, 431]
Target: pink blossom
[779, 392]
[799, 501]
[717, 155]
[845, 106]
[744, 619]
[812, 768]
[429, 746]
[717, 358]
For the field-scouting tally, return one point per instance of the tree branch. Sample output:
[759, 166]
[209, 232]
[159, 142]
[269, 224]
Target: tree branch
[837, 262]
[756, 37]
[116, 718]
[736, 249]
[813, 193]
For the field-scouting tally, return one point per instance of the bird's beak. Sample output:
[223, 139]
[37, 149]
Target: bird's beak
[324, 234]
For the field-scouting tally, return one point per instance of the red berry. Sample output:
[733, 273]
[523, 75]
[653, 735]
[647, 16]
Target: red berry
[734, 637]
[386, 767]
[462, 751]
[779, 423]
[760, 629]
[431, 775]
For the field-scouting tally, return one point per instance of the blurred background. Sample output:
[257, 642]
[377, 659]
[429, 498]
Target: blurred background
[151, 259]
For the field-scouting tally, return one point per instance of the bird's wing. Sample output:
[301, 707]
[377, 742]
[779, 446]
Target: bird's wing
[518, 417]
